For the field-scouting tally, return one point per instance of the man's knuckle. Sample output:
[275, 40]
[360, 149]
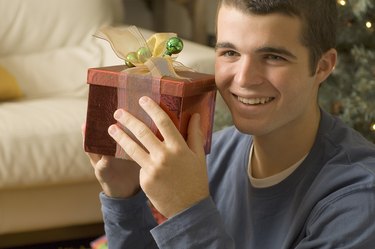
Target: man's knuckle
[130, 151]
[164, 122]
[121, 140]
[141, 132]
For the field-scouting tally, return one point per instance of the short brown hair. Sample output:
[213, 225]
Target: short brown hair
[319, 19]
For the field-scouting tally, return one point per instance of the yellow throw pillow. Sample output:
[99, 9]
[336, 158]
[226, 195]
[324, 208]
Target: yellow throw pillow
[9, 88]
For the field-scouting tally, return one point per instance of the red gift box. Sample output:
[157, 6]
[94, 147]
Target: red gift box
[111, 88]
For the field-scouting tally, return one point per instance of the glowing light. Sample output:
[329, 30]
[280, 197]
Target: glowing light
[342, 2]
[373, 127]
[368, 25]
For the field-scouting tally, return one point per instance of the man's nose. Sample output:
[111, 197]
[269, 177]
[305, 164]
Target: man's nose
[249, 72]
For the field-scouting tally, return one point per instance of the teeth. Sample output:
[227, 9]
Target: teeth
[255, 101]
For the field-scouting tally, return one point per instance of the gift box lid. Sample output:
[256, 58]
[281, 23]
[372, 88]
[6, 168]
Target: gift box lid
[190, 83]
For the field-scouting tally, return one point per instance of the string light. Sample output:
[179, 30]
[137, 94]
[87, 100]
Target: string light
[341, 2]
[368, 25]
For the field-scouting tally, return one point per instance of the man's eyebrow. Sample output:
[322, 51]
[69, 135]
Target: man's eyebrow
[277, 50]
[265, 49]
[224, 45]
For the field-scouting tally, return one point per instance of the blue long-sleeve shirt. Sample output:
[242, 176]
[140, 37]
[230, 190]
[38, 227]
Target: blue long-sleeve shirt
[327, 202]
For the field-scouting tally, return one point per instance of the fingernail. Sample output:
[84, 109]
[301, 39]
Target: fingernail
[118, 114]
[143, 100]
[112, 130]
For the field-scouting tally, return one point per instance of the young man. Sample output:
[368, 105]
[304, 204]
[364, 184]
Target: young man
[288, 175]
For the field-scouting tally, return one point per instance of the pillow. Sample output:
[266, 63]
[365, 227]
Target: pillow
[29, 26]
[9, 88]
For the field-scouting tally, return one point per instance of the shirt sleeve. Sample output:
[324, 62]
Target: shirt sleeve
[128, 222]
[200, 226]
[343, 220]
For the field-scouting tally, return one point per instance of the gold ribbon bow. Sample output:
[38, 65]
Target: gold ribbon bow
[129, 40]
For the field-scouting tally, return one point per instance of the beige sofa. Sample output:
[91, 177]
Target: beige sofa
[46, 46]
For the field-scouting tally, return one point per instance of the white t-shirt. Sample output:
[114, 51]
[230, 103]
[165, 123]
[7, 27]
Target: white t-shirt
[274, 179]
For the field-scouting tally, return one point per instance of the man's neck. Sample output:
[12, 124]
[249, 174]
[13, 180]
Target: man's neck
[278, 151]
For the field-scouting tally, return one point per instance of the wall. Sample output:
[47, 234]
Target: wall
[177, 17]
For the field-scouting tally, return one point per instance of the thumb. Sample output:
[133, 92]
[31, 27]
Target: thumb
[195, 139]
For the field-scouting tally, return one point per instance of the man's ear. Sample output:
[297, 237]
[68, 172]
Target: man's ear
[326, 65]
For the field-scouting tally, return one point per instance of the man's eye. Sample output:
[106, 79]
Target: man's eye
[229, 53]
[274, 57]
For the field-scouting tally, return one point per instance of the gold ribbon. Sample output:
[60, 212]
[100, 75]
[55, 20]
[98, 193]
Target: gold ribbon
[126, 40]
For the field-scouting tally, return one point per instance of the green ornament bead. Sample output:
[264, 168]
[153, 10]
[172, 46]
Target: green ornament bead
[128, 64]
[174, 46]
[143, 54]
[131, 59]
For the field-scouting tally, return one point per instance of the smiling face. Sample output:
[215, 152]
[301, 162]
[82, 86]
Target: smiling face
[263, 72]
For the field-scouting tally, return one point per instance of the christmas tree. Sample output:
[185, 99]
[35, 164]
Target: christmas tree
[350, 92]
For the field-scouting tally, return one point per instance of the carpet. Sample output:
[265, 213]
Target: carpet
[71, 244]
[72, 237]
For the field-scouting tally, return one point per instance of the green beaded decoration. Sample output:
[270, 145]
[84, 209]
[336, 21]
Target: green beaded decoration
[174, 46]
[131, 59]
[143, 54]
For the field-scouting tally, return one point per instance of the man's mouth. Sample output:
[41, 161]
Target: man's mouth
[255, 101]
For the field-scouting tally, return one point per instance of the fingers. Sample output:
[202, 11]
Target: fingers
[83, 131]
[195, 139]
[165, 125]
[134, 151]
[94, 158]
[152, 144]
[101, 162]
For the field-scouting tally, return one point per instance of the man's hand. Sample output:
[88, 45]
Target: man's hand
[118, 178]
[173, 173]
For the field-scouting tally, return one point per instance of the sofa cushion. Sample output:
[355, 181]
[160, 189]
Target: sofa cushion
[29, 26]
[41, 142]
[58, 72]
